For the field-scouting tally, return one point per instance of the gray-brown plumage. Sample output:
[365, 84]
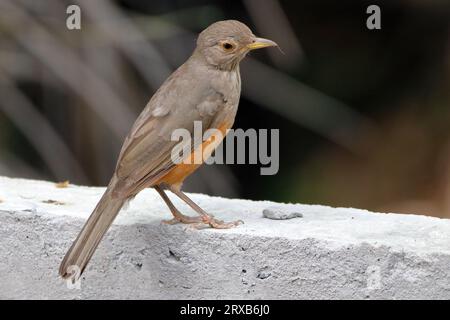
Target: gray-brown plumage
[205, 88]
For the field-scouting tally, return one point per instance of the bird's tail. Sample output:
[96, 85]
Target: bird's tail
[92, 233]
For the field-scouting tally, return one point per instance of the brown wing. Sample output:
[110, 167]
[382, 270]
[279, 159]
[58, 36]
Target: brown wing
[146, 154]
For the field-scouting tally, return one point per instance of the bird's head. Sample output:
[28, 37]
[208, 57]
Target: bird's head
[225, 43]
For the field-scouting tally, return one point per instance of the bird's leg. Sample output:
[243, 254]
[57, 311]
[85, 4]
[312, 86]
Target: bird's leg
[177, 215]
[205, 217]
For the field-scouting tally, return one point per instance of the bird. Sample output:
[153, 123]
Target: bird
[206, 88]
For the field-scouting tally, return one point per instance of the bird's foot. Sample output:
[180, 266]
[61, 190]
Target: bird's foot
[181, 218]
[202, 222]
[219, 224]
[204, 219]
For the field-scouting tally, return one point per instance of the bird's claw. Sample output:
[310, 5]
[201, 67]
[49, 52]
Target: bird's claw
[219, 224]
[203, 222]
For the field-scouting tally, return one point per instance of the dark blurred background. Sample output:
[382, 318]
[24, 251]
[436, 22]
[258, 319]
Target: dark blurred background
[363, 114]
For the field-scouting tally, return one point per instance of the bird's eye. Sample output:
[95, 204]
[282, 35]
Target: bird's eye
[227, 46]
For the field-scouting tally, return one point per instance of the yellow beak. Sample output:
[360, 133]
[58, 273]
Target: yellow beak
[259, 43]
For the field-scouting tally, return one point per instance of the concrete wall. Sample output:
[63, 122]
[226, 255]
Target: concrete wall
[329, 253]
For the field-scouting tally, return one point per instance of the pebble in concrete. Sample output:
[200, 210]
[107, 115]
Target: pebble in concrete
[279, 213]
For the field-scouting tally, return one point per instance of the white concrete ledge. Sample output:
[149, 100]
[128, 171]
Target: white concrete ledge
[328, 253]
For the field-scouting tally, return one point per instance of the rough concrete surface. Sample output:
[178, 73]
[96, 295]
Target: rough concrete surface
[330, 253]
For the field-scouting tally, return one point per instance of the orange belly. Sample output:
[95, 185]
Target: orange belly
[183, 170]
